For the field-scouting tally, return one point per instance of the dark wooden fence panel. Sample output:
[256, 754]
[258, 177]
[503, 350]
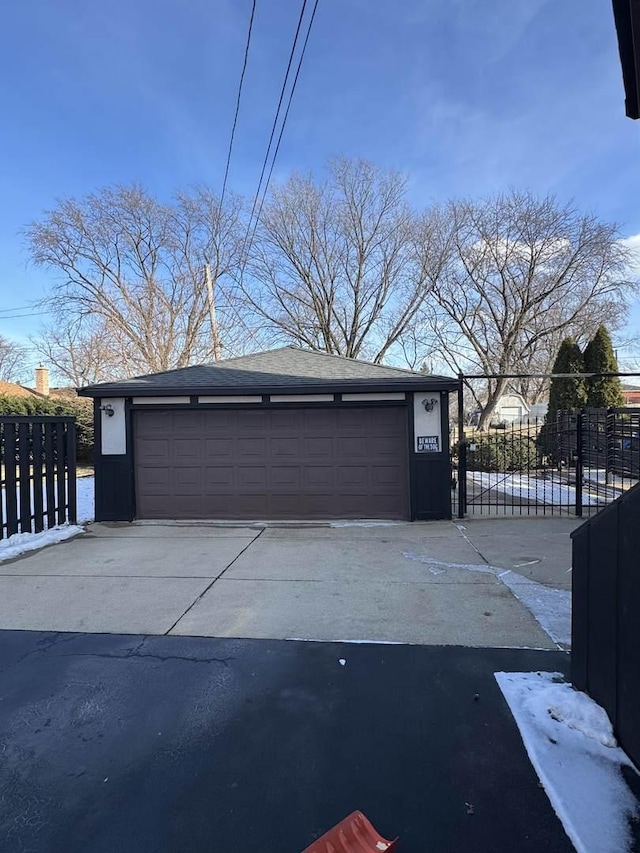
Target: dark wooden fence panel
[38, 473]
[606, 614]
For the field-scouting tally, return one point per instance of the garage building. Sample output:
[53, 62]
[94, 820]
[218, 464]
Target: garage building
[283, 434]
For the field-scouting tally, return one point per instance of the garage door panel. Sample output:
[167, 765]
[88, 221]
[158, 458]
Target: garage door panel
[186, 450]
[352, 477]
[287, 447]
[381, 446]
[321, 506]
[284, 506]
[272, 463]
[250, 506]
[154, 480]
[285, 478]
[252, 447]
[154, 450]
[218, 447]
[288, 421]
[251, 422]
[385, 419]
[184, 506]
[318, 447]
[188, 421]
[318, 477]
[187, 481]
[350, 447]
[219, 477]
[251, 477]
[219, 421]
[153, 424]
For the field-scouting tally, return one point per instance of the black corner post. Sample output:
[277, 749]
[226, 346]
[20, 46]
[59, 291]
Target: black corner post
[579, 460]
[462, 452]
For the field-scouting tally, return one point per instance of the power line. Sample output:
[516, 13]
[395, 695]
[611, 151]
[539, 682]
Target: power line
[20, 316]
[235, 118]
[277, 115]
[19, 308]
[284, 120]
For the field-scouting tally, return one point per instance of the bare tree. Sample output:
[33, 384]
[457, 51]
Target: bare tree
[13, 360]
[136, 268]
[334, 265]
[81, 351]
[521, 273]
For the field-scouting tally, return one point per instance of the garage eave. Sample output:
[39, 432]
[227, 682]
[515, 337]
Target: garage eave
[334, 387]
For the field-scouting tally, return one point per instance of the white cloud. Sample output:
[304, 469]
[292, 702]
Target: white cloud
[633, 244]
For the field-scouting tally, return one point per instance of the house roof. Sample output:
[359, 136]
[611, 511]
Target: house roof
[289, 369]
[12, 389]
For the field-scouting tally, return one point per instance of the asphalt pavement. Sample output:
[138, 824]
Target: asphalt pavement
[142, 744]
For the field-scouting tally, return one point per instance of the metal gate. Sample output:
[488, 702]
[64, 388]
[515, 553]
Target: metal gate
[574, 465]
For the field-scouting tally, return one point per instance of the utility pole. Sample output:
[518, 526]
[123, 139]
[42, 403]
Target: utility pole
[215, 335]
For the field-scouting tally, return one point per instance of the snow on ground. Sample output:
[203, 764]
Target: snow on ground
[570, 743]
[85, 498]
[85, 490]
[20, 543]
[550, 607]
[364, 523]
[534, 488]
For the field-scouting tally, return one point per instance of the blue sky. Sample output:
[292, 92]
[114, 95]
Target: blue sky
[466, 96]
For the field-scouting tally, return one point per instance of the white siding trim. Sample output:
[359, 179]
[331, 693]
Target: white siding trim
[302, 398]
[356, 398]
[161, 401]
[113, 427]
[231, 399]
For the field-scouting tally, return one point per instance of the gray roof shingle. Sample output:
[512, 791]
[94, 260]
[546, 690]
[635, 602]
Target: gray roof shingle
[286, 369]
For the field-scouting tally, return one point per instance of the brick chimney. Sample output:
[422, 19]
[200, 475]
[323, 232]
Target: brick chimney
[42, 380]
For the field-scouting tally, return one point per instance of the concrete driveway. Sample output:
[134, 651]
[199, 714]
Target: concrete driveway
[410, 583]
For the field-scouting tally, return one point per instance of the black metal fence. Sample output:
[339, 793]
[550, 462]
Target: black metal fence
[575, 465]
[606, 615]
[38, 473]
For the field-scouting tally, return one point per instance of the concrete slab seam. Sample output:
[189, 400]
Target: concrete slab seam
[217, 578]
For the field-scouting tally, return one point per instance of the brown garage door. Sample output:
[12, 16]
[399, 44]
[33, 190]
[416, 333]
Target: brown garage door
[272, 463]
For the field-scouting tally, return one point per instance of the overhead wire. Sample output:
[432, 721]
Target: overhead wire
[284, 120]
[238, 98]
[283, 90]
[279, 107]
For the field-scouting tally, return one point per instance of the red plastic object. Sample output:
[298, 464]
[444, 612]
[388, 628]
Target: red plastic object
[354, 834]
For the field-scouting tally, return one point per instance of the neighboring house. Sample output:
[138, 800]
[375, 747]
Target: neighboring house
[283, 434]
[512, 408]
[631, 395]
[12, 389]
[42, 389]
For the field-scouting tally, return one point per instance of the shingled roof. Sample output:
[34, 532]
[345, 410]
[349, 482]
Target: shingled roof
[289, 369]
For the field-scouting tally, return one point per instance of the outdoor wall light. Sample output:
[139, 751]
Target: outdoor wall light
[108, 410]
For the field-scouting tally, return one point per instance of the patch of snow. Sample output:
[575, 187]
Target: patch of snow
[85, 499]
[534, 488]
[20, 543]
[570, 743]
[364, 523]
[85, 488]
[356, 642]
[342, 661]
[550, 607]
[431, 561]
